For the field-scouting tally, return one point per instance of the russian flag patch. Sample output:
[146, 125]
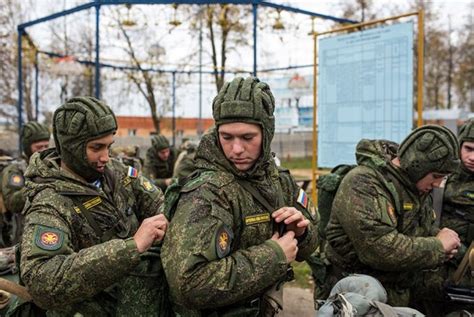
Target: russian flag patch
[302, 198]
[132, 172]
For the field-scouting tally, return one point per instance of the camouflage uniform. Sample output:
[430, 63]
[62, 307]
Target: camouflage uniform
[78, 254]
[217, 254]
[155, 168]
[13, 181]
[458, 202]
[380, 224]
[184, 165]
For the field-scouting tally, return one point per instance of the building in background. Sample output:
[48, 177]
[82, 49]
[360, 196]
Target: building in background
[143, 126]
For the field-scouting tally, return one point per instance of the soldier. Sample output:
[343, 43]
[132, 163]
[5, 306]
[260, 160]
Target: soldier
[380, 224]
[89, 222]
[34, 138]
[159, 161]
[458, 202]
[239, 221]
[184, 165]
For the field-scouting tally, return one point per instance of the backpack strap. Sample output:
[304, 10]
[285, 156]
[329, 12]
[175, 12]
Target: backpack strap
[256, 194]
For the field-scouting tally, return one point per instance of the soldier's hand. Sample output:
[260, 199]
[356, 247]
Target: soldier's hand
[293, 218]
[450, 241]
[288, 243]
[151, 229]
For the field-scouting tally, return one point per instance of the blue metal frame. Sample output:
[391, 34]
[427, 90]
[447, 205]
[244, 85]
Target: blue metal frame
[98, 3]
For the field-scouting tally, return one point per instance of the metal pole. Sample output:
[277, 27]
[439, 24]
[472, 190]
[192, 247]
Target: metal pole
[420, 68]
[173, 122]
[314, 161]
[97, 51]
[254, 7]
[36, 87]
[20, 88]
[200, 128]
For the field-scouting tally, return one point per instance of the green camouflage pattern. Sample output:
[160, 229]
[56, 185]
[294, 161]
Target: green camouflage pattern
[159, 142]
[466, 132]
[76, 122]
[428, 149]
[247, 100]
[33, 132]
[184, 165]
[380, 225]
[204, 279]
[13, 196]
[83, 271]
[458, 205]
[158, 170]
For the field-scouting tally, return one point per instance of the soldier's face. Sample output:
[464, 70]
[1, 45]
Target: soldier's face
[39, 146]
[97, 152]
[241, 143]
[467, 155]
[430, 181]
[164, 154]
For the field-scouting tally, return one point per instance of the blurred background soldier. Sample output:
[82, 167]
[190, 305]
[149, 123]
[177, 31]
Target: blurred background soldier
[159, 162]
[458, 203]
[34, 138]
[185, 162]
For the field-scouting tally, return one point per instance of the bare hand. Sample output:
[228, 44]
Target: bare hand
[450, 240]
[288, 243]
[168, 181]
[151, 229]
[293, 219]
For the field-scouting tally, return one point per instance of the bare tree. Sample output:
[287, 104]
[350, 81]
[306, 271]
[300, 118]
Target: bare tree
[147, 81]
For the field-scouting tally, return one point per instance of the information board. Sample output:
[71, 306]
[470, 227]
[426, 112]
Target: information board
[365, 90]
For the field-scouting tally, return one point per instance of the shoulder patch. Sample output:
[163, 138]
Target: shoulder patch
[49, 239]
[147, 185]
[16, 180]
[132, 172]
[391, 213]
[223, 241]
[302, 198]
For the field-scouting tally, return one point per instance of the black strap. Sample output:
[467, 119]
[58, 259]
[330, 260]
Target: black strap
[280, 227]
[104, 236]
[256, 194]
[437, 194]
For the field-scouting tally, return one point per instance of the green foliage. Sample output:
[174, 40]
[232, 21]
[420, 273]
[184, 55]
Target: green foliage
[303, 276]
[295, 163]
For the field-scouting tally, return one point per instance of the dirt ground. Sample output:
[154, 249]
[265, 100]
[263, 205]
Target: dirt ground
[298, 302]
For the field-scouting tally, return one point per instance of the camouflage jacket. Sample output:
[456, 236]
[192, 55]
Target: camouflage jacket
[458, 205]
[68, 262]
[379, 224]
[12, 184]
[217, 252]
[158, 170]
[184, 165]
[13, 198]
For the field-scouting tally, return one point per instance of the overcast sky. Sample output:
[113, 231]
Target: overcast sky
[288, 49]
